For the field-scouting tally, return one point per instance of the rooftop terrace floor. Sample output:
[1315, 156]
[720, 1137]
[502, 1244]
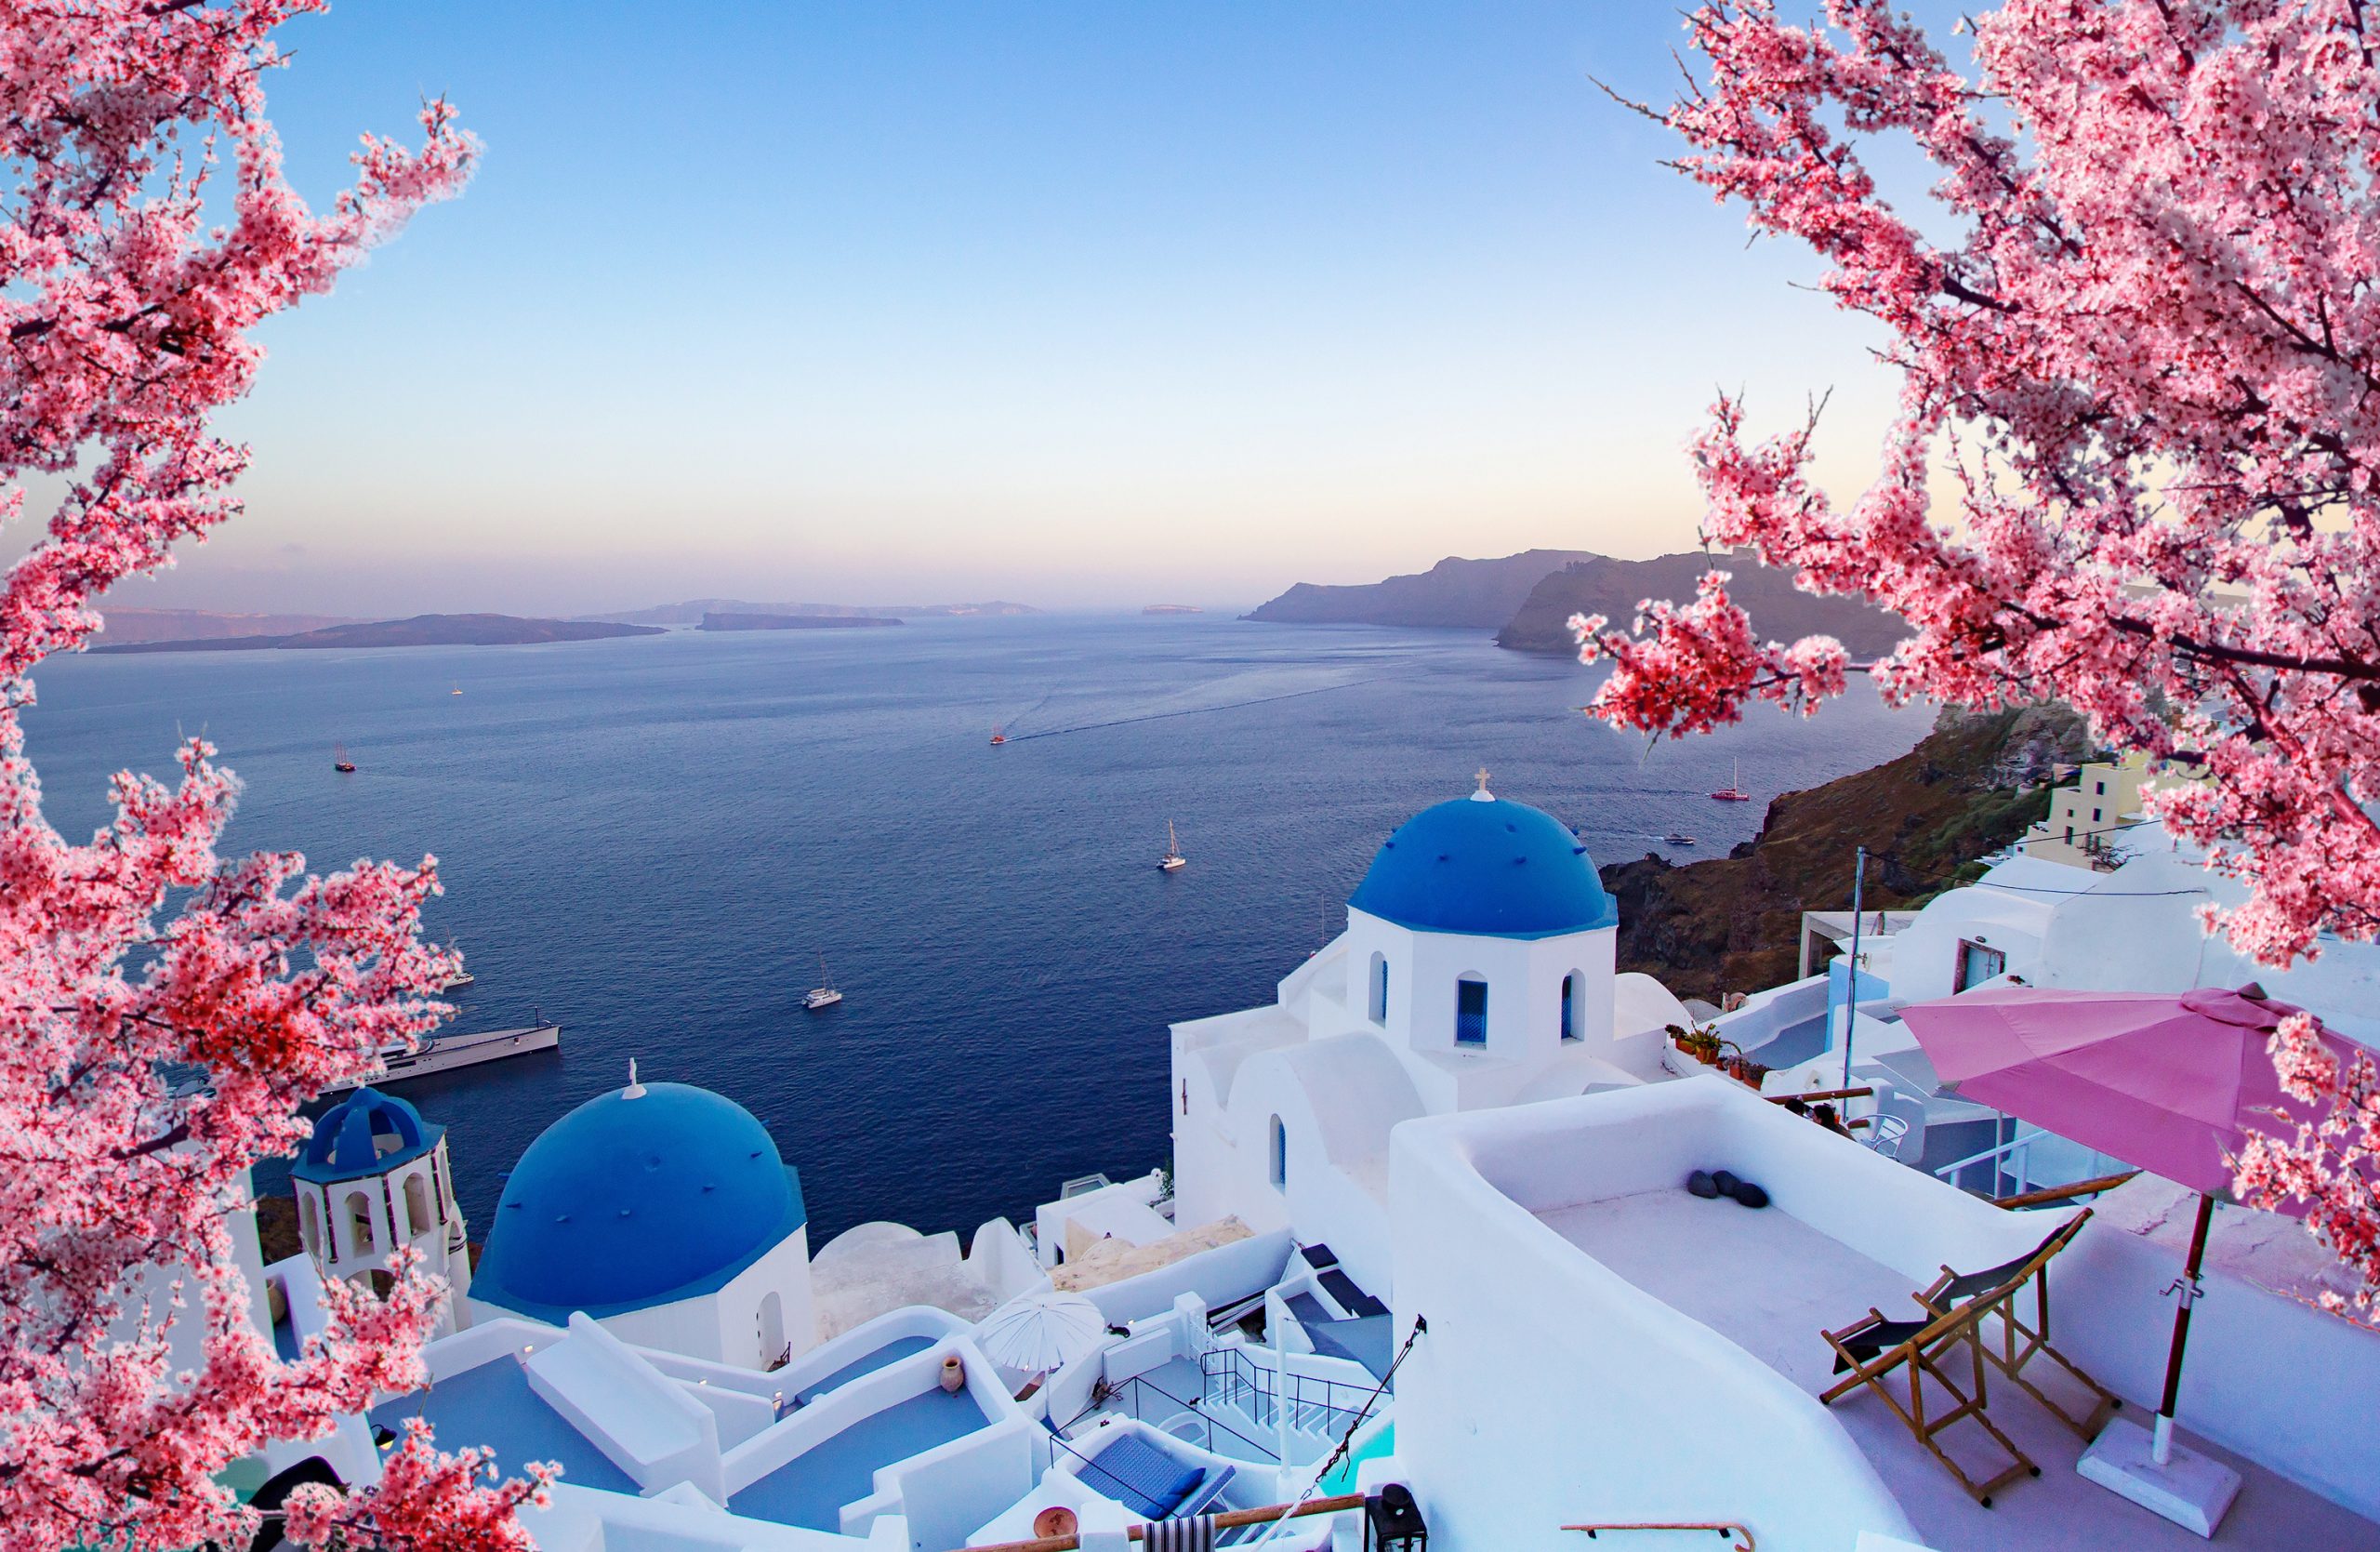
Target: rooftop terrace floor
[1770, 1283]
[493, 1405]
[866, 1363]
[811, 1489]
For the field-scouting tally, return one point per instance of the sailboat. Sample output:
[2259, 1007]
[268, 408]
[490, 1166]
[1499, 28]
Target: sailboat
[999, 737]
[459, 980]
[822, 996]
[339, 762]
[1734, 792]
[456, 691]
[1172, 857]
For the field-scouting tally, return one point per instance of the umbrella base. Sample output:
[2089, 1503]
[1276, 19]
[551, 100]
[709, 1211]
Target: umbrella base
[2191, 1489]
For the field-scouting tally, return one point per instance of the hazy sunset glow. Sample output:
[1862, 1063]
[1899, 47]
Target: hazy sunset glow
[1069, 304]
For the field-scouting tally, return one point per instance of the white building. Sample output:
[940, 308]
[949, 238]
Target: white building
[2089, 822]
[1475, 972]
[374, 1177]
[664, 1213]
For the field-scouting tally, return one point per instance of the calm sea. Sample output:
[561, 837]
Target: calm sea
[652, 841]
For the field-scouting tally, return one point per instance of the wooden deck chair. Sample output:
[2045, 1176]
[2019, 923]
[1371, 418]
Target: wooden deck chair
[1873, 1350]
[1998, 1289]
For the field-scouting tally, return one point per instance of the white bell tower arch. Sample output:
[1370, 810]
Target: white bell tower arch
[375, 1177]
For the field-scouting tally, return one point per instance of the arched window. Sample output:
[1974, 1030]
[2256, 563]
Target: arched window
[418, 1218]
[1380, 988]
[310, 1229]
[1571, 1029]
[1280, 1143]
[359, 1224]
[1471, 1010]
[774, 1347]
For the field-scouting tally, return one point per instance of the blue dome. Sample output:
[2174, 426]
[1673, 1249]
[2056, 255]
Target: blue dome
[1486, 868]
[635, 1199]
[367, 1132]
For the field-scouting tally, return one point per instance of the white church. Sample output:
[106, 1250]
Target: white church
[1476, 972]
[664, 1213]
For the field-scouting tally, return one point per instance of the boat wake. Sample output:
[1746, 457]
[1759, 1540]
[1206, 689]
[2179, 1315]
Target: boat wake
[1187, 711]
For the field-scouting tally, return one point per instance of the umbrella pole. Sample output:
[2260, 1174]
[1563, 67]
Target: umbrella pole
[2187, 1289]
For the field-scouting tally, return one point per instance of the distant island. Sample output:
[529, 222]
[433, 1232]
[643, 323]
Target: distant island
[791, 622]
[127, 627]
[1527, 598]
[692, 610]
[1172, 609]
[420, 630]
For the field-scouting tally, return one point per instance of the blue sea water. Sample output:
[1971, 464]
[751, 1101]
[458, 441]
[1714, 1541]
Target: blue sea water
[653, 839]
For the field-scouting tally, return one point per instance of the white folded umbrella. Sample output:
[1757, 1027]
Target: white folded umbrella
[1036, 1332]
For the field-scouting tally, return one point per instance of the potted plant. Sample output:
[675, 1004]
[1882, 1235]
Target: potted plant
[1699, 1041]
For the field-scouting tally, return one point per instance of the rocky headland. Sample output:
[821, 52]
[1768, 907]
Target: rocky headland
[1733, 924]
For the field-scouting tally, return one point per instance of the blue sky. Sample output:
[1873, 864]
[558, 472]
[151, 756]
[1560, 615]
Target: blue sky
[1081, 304]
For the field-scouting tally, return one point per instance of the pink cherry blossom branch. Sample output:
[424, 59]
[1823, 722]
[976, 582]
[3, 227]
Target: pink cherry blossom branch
[126, 321]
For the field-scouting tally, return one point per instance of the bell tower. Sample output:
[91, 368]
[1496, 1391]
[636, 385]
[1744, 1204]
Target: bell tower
[374, 1177]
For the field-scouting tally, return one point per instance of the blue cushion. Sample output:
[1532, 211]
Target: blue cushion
[1139, 1476]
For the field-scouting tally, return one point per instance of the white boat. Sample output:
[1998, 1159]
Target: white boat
[825, 996]
[1734, 792]
[458, 981]
[1172, 857]
[445, 1053]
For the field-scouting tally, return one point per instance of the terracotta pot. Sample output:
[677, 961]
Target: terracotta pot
[1055, 1520]
[954, 1375]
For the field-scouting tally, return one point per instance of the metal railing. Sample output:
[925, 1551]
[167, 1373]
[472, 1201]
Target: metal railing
[1316, 1406]
[1133, 1396]
[2012, 1159]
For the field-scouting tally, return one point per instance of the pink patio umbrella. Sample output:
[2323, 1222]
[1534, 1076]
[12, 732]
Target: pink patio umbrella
[2171, 1082]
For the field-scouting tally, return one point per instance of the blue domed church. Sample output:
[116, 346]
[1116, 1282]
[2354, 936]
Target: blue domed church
[1476, 971]
[664, 1212]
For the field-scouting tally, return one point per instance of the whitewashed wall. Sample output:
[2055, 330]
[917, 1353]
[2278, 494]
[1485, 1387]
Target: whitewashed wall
[1555, 1360]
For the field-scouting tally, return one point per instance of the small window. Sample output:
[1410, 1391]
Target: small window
[2099, 791]
[1280, 1162]
[1570, 1007]
[2095, 816]
[1185, 1096]
[1380, 988]
[1470, 1012]
[2069, 835]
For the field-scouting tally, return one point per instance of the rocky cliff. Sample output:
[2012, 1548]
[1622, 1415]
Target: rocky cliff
[1733, 924]
[1780, 610]
[1455, 593]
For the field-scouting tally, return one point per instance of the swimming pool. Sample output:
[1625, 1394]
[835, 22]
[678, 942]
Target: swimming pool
[1380, 1440]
